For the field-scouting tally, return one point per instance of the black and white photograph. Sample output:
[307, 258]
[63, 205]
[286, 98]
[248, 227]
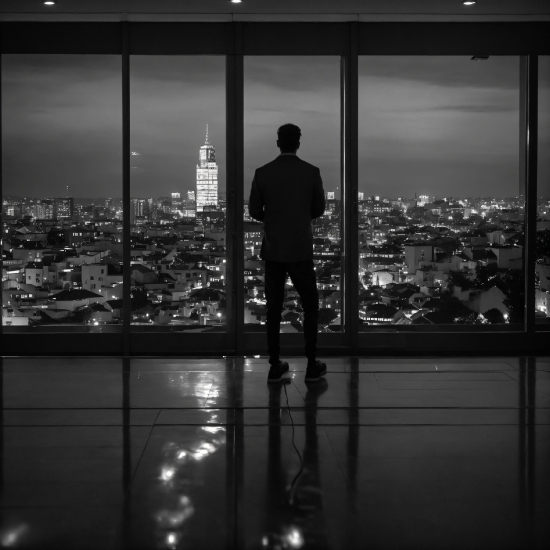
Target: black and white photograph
[275, 275]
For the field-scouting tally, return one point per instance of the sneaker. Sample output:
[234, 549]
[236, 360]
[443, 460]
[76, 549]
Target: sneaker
[314, 372]
[278, 372]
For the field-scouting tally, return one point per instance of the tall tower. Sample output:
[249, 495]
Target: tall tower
[207, 176]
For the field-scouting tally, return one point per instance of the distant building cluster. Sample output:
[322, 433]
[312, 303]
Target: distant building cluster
[429, 261]
[62, 258]
[422, 261]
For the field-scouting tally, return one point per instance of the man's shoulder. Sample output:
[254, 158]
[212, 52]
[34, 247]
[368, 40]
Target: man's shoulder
[307, 165]
[268, 165]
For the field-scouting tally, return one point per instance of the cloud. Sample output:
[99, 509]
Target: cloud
[426, 123]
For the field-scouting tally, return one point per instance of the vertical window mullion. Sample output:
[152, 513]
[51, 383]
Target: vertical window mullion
[528, 183]
[235, 198]
[126, 281]
[351, 282]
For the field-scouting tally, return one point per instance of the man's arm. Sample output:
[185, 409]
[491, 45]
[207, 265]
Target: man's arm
[318, 205]
[256, 202]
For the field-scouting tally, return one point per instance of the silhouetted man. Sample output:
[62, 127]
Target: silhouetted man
[286, 195]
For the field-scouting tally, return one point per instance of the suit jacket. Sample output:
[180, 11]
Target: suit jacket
[286, 195]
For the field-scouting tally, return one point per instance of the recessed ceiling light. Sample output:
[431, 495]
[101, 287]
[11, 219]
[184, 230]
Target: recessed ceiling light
[50, 3]
[468, 3]
[236, 1]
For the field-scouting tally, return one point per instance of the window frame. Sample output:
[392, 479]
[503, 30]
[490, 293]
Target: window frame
[235, 40]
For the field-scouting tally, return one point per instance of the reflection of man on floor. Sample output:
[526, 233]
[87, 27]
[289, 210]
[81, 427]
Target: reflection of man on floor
[286, 195]
[296, 513]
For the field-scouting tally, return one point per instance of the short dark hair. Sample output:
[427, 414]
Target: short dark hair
[289, 137]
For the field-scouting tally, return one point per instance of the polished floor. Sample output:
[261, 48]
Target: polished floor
[390, 453]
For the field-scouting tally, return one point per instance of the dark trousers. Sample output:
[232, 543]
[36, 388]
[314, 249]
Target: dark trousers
[302, 275]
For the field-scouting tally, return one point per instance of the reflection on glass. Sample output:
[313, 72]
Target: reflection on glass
[178, 193]
[440, 215]
[542, 269]
[304, 91]
[62, 187]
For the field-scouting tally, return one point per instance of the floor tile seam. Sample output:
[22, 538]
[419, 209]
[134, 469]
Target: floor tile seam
[390, 425]
[157, 408]
[348, 424]
[127, 489]
[296, 423]
[262, 372]
[207, 395]
[83, 507]
[298, 390]
[305, 407]
[79, 425]
[377, 407]
[431, 371]
[510, 379]
[435, 389]
[334, 455]
[265, 372]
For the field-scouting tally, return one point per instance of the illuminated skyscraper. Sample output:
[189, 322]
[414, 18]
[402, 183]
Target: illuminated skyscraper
[64, 208]
[176, 203]
[43, 209]
[207, 176]
[138, 208]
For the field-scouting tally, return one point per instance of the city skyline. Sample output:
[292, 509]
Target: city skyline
[62, 122]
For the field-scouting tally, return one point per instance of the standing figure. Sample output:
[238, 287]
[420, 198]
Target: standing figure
[286, 195]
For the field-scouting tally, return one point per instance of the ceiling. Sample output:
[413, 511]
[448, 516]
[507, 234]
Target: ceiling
[273, 10]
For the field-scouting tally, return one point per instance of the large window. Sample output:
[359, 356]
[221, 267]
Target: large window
[129, 149]
[178, 200]
[62, 193]
[304, 91]
[440, 211]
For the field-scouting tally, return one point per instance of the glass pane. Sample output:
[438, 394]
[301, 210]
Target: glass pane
[542, 269]
[440, 212]
[177, 111]
[62, 189]
[304, 91]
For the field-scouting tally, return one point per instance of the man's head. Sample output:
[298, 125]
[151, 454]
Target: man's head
[288, 138]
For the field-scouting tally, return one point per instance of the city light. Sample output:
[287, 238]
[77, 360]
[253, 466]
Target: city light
[422, 260]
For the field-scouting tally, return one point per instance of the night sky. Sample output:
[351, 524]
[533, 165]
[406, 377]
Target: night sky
[431, 125]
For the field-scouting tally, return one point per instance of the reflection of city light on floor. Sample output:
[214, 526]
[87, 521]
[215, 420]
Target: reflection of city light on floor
[290, 537]
[167, 473]
[295, 538]
[11, 537]
[213, 429]
[174, 518]
[172, 540]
